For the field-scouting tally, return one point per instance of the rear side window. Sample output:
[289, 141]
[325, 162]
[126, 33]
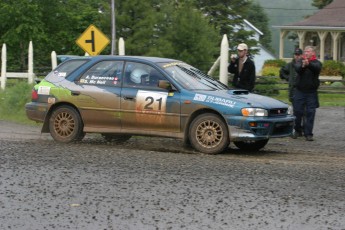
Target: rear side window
[66, 68]
[106, 73]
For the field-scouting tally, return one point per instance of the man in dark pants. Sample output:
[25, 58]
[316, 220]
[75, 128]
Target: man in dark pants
[243, 69]
[288, 72]
[306, 99]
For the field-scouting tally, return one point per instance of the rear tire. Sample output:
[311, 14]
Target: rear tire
[251, 145]
[208, 134]
[65, 125]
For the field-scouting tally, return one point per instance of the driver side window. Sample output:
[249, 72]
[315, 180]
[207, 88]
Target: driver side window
[141, 75]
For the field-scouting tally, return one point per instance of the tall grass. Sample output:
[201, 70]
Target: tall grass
[13, 100]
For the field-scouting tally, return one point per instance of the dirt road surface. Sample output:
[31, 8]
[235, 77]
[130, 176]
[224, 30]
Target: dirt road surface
[156, 183]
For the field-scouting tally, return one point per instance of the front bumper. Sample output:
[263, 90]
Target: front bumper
[258, 128]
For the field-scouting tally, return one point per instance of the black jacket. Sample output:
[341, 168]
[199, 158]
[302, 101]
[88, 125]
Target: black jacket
[288, 73]
[245, 79]
[307, 79]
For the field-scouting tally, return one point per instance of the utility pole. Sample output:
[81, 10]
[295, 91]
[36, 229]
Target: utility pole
[113, 29]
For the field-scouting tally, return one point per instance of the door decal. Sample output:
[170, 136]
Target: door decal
[151, 102]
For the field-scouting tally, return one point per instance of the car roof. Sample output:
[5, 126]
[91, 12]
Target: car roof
[127, 58]
[133, 58]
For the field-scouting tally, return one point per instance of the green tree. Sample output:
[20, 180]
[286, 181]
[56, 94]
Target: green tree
[188, 36]
[257, 16]
[227, 17]
[168, 29]
[177, 29]
[66, 20]
[138, 23]
[50, 25]
[321, 3]
[18, 27]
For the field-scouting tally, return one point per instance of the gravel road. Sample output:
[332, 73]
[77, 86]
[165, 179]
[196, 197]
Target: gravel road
[155, 183]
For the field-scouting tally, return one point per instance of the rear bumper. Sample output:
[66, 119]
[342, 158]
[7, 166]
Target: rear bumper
[253, 128]
[36, 111]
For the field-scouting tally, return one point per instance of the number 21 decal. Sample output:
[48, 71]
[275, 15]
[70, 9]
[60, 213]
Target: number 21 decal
[151, 101]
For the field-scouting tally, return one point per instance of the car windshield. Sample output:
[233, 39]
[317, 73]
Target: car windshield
[191, 78]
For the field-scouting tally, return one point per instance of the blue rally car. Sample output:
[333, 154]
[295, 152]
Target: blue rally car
[121, 96]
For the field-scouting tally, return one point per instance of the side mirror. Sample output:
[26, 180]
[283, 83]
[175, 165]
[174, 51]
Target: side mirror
[164, 84]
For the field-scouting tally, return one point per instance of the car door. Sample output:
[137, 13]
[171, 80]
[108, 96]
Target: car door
[98, 96]
[145, 106]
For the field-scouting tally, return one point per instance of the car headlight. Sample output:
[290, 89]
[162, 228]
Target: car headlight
[290, 110]
[254, 112]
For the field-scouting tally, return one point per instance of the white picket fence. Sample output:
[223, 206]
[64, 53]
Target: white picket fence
[4, 74]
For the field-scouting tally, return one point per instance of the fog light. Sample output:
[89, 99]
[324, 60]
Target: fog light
[253, 124]
[266, 125]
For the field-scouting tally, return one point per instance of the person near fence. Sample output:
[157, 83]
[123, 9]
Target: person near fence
[305, 99]
[288, 72]
[243, 69]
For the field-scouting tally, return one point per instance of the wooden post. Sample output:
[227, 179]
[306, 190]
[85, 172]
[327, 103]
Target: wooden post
[224, 60]
[121, 47]
[54, 59]
[31, 64]
[3, 66]
[214, 66]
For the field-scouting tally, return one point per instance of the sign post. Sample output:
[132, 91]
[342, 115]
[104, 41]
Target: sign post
[92, 40]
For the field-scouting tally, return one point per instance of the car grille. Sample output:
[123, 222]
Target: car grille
[278, 112]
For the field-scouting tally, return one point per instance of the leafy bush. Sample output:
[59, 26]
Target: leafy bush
[271, 67]
[333, 68]
[267, 86]
[270, 71]
[337, 84]
[274, 63]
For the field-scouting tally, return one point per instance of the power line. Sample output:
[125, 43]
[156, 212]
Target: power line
[279, 8]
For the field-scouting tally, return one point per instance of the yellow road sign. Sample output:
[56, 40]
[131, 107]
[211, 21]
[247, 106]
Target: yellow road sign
[92, 41]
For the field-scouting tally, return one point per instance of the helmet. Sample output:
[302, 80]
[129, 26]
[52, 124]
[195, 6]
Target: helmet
[137, 74]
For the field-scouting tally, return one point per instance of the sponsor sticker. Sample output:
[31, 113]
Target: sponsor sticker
[51, 100]
[214, 100]
[62, 74]
[199, 97]
[43, 90]
[220, 101]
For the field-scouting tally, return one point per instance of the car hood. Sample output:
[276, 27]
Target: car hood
[243, 98]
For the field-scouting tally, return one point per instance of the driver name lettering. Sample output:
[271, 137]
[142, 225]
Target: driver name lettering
[100, 78]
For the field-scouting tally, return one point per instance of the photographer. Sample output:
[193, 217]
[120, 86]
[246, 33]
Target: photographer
[243, 69]
[305, 98]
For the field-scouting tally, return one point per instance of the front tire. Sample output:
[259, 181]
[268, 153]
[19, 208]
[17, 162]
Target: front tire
[209, 134]
[65, 125]
[251, 145]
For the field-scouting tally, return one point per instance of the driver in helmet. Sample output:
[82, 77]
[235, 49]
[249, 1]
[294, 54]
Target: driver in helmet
[138, 76]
